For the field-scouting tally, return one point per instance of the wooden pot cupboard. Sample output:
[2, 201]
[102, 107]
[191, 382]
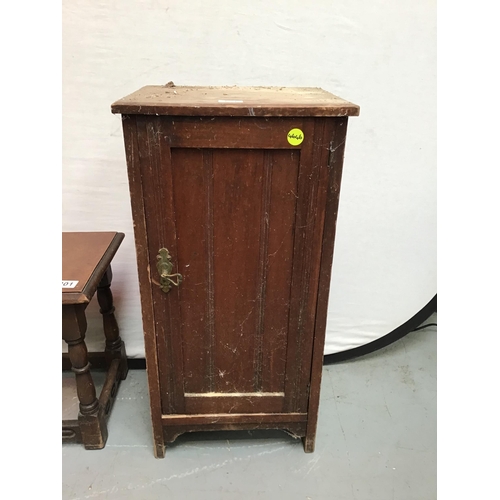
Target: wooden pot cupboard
[234, 194]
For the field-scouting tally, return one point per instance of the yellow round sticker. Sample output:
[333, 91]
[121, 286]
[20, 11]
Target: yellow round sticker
[295, 136]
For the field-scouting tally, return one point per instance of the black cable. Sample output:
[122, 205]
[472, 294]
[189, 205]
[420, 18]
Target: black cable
[424, 326]
[409, 326]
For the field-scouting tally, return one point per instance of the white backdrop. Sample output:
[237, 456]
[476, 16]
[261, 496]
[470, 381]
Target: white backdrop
[380, 55]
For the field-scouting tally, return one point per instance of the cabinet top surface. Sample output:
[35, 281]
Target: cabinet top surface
[234, 101]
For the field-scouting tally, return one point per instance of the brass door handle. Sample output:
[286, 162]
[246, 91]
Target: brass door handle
[165, 266]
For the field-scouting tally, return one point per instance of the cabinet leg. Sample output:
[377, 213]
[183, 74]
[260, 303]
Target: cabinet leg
[309, 442]
[159, 450]
[115, 348]
[160, 438]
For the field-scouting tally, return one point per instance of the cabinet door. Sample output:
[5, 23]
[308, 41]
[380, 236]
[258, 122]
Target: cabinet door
[241, 212]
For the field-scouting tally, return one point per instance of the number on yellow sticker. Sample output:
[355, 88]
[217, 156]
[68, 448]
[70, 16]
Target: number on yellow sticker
[295, 136]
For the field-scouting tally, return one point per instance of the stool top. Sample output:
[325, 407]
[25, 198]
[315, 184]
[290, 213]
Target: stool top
[85, 258]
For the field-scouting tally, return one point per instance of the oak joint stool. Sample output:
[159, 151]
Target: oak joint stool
[86, 270]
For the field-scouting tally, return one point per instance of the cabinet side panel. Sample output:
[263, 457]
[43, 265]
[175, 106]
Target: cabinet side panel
[141, 245]
[323, 131]
[278, 261]
[312, 188]
[238, 180]
[192, 180]
[336, 160]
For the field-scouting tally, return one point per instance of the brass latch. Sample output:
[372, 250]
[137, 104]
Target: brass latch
[165, 266]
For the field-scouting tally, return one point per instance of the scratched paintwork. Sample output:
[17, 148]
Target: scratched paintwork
[248, 221]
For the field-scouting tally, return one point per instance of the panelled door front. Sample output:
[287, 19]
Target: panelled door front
[240, 211]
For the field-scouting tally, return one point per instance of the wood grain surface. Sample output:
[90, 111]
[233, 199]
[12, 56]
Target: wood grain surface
[234, 101]
[248, 219]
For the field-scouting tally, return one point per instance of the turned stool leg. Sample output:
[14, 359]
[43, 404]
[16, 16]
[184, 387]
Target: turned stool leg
[115, 348]
[91, 419]
[80, 366]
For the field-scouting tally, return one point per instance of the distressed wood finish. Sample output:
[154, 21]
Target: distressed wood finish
[249, 222]
[335, 163]
[137, 196]
[233, 101]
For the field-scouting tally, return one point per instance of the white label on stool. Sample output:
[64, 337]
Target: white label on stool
[69, 284]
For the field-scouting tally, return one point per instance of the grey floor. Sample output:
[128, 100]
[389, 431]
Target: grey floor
[376, 440]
